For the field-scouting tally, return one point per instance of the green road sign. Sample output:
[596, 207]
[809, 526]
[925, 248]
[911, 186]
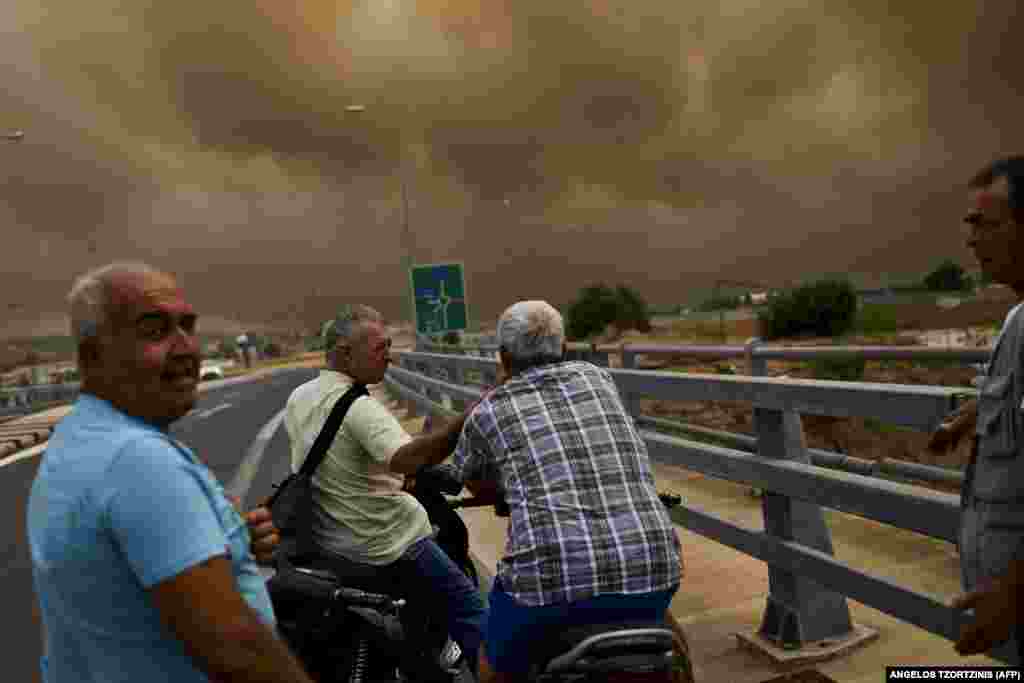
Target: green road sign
[439, 292]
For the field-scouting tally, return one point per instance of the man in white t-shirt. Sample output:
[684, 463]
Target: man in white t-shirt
[368, 529]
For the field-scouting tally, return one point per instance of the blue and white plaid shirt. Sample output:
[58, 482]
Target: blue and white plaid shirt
[585, 516]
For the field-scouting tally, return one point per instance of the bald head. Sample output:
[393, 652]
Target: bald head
[98, 292]
[137, 344]
[531, 333]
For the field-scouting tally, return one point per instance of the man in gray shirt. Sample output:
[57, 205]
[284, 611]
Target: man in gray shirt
[992, 523]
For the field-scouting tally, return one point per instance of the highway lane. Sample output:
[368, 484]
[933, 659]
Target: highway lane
[220, 429]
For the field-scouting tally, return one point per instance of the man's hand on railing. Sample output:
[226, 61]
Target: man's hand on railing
[954, 427]
[997, 607]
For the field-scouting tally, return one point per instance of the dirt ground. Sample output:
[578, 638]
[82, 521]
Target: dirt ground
[859, 438]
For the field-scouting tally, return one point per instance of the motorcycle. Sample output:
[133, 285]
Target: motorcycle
[638, 652]
[344, 634]
[341, 633]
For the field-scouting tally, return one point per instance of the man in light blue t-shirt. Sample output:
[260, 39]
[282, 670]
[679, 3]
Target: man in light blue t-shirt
[143, 568]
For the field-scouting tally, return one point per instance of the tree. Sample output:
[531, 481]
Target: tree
[724, 302]
[826, 308]
[633, 311]
[228, 347]
[599, 305]
[314, 343]
[949, 276]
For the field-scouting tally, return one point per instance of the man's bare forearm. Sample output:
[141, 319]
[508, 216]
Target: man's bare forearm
[254, 655]
[429, 449]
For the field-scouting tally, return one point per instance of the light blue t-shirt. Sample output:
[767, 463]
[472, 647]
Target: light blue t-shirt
[116, 507]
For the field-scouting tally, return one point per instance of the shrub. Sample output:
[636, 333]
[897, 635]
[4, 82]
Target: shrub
[228, 347]
[720, 303]
[599, 305]
[633, 311]
[949, 276]
[452, 338]
[839, 369]
[826, 308]
[877, 319]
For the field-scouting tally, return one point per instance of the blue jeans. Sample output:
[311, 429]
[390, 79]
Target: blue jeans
[512, 628]
[431, 584]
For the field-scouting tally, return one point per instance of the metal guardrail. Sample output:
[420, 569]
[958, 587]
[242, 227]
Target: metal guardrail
[755, 350]
[808, 585]
[900, 469]
[22, 400]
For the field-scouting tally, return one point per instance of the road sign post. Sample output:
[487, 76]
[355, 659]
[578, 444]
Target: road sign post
[439, 297]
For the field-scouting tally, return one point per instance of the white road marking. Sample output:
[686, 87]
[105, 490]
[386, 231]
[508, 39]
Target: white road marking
[250, 465]
[212, 411]
[206, 386]
[30, 453]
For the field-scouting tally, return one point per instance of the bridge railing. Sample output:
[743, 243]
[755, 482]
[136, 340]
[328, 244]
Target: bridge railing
[756, 355]
[22, 400]
[807, 600]
[755, 352]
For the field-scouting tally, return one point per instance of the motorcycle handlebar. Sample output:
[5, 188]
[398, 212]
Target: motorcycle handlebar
[354, 596]
[470, 503]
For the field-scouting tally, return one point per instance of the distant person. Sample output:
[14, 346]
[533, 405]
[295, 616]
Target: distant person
[589, 540]
[369, 531]
[992, 522]
[143, 568]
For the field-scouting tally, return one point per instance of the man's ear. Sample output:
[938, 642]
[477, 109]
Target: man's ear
[88, 353]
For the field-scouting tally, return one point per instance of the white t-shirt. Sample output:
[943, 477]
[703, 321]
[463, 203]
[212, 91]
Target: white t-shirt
[360, 511]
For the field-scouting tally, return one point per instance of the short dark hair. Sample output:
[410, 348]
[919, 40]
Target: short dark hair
[1011, 168]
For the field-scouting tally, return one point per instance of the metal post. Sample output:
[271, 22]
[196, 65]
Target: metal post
[721, 311]
[799, 611]
[756, 366]
[410, 301]
[631, 400]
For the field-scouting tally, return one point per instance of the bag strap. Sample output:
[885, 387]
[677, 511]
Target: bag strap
[323, 440]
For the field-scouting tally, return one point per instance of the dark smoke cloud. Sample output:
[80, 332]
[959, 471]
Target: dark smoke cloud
[698, 138]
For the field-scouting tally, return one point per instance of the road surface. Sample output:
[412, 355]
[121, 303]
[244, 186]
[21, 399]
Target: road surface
[221, 429]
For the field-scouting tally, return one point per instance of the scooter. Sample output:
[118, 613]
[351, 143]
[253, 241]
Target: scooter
[344, 634]
[611, 652]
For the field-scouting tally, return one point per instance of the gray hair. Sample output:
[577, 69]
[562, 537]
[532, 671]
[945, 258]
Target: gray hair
[90, 296]
[531, 331]
[345, 325]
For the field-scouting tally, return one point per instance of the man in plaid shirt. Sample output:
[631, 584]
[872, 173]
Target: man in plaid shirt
[589, 540]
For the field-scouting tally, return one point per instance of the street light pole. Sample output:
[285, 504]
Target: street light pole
[407, 242]
[406, 235]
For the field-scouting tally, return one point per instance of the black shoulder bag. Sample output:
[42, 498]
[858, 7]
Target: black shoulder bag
[291, 505]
